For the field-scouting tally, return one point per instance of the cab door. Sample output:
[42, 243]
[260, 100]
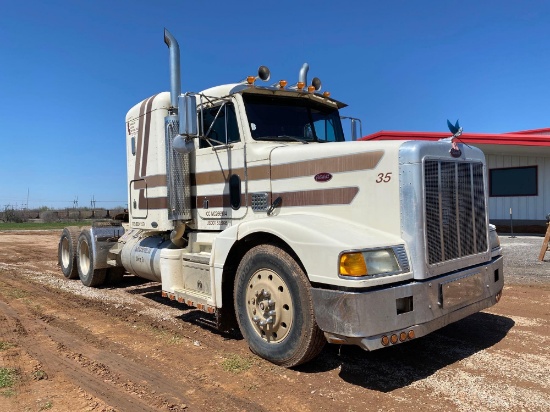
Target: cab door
[219, 177]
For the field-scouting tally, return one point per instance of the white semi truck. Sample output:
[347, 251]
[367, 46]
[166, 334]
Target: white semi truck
[246, 202]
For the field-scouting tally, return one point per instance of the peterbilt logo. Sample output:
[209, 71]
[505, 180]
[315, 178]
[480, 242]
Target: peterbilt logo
[322, 177]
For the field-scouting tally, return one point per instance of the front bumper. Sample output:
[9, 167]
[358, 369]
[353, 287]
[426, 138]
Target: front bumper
[364, 318]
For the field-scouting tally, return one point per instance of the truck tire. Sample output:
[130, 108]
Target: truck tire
[66, 252]
[89, 276]
[274, 308]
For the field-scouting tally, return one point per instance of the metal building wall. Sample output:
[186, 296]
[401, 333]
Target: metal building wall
[530, 208]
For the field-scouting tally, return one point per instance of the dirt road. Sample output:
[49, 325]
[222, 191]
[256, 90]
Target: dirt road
[71, 348]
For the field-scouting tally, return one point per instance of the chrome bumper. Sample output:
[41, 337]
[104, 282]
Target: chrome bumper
[364, 318]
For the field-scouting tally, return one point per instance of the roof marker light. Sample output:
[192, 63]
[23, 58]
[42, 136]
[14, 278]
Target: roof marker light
[326, 94]
[300, 85]
[282, 84]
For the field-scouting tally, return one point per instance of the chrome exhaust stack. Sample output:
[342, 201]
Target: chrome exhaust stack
[302, 76]
[178, 146]
[175, 79]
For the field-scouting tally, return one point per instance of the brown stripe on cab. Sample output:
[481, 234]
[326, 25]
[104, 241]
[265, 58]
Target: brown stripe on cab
[359, 161]
[150, 182]
[147, 135]
[151, 203]
[326, 197]
[139, 139]
[336, 164]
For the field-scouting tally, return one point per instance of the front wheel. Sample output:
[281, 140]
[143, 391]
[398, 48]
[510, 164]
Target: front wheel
[89, 275]
[274, 307]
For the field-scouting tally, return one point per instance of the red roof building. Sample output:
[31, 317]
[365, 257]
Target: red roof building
[518, 167]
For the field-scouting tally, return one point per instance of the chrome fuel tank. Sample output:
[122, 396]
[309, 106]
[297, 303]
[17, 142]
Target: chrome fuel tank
[141, 255]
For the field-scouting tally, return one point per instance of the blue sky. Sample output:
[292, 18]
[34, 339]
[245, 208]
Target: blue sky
[70, 71]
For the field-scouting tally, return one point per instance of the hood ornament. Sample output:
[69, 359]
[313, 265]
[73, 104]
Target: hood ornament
[456, 130]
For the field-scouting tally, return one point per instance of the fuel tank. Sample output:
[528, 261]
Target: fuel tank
[141, 255]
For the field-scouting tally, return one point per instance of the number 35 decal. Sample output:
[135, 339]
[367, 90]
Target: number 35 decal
[383, 177]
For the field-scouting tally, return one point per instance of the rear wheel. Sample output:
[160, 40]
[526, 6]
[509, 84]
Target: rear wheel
[274, 307]
[66, 252]
[89, 276]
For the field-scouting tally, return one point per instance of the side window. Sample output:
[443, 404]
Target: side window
[324, 129]
[219, 126]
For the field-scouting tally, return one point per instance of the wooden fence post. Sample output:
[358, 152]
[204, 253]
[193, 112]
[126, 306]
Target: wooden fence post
[545, 243]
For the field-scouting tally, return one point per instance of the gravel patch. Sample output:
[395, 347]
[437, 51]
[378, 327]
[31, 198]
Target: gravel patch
[521, 259]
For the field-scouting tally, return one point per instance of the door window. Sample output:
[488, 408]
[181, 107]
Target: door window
[219, 126]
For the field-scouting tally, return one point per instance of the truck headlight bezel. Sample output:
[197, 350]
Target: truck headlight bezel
[494, 241]
[372, 263]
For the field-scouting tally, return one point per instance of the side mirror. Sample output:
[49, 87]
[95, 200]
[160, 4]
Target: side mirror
[187, 114]
[354, 123]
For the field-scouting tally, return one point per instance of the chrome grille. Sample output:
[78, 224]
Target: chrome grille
[454, 209]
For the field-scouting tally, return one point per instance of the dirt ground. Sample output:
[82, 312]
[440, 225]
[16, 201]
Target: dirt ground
[126, 348]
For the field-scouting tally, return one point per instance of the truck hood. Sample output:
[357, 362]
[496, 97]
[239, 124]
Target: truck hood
[339, 180]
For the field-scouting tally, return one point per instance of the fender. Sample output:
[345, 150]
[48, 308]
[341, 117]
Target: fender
[103, 238]
[317, 240]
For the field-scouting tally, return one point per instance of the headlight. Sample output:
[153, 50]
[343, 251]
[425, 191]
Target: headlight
[369, 263]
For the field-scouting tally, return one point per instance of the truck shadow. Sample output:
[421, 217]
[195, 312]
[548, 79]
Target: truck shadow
[392, 368]
[383, 370]
[152, 291]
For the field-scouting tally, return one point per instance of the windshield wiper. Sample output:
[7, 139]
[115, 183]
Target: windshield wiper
[282, 137]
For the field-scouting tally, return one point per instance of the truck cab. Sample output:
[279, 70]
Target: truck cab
[246, 202]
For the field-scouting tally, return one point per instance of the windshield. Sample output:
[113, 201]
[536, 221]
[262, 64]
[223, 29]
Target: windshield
[291, 119]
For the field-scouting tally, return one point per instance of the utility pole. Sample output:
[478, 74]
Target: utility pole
[75, 207]
[92, 205]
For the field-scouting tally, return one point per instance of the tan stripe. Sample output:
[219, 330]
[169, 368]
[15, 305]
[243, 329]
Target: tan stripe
[324, 197]
[213, 201]
[360, 161]
[336, 196]
[336, 164]
[147, 135]
[150, 182]
[258, 172]
[139, 184]
[217, 176]
[139, 139]
[223, 201]
[151, 203]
